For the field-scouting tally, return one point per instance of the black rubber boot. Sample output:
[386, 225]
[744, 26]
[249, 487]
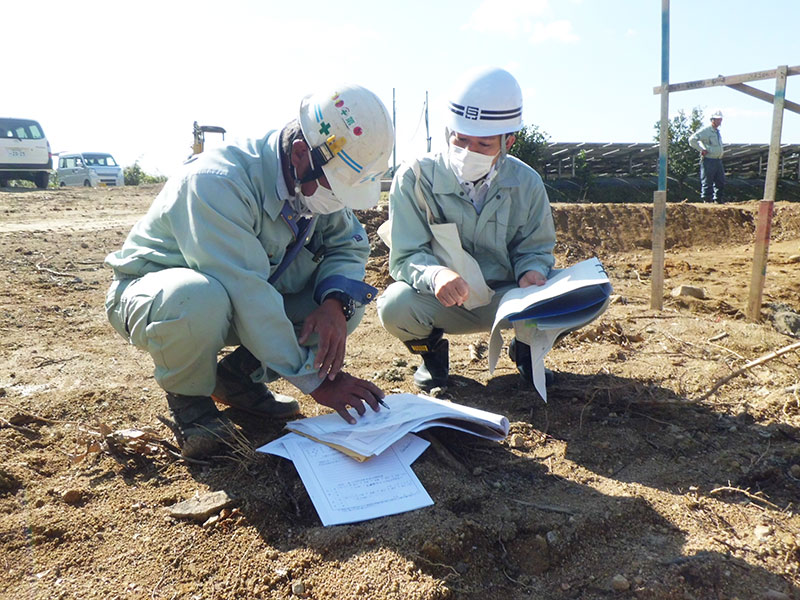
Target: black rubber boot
[201, 430]
[520, 353]
[435, 367]
[235, 388]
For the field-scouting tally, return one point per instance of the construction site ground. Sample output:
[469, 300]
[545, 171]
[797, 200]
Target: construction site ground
[632, 481]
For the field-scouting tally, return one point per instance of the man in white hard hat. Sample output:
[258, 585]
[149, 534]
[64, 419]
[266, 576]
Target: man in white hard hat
[255, 245]
[708, 142]
[502, 213]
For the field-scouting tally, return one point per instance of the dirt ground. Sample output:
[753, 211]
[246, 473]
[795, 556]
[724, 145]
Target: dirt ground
[628, 483]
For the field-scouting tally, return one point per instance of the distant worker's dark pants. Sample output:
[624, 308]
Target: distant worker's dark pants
[712, 177]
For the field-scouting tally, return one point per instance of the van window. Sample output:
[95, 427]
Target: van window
[22, 129]
[100, 160]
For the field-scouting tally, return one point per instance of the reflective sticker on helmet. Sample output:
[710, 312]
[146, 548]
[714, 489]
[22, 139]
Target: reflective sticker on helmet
[472, 112]
[318, 112]
[357, 130]
[349, 161]
[370, 177]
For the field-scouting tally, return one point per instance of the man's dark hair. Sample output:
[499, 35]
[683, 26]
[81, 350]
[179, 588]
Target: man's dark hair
[289, 134]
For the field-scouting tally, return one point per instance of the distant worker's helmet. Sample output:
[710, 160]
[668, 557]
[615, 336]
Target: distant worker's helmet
[717, 114]
[485, 102]
[351, 137]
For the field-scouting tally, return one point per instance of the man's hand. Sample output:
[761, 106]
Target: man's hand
[532, 278]
[345, 390]
[450, 288]
[329, 323]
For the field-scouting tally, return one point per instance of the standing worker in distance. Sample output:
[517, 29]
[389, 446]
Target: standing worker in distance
[708, 142]
[255, 245]
[502, 214]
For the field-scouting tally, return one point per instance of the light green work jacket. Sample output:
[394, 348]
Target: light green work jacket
[513, 233]
[223, 216]
[708, 139]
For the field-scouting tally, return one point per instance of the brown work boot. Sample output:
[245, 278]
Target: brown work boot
[235, 388]
[201, 430]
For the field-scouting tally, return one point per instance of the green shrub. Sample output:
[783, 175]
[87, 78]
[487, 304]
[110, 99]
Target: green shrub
[134, 175]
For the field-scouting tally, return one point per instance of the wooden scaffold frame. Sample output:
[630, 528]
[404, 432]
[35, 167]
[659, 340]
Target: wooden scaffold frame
[766, 204]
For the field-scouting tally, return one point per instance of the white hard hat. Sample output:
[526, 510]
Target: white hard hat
[717, 114]
[351, 136]
[485, 102]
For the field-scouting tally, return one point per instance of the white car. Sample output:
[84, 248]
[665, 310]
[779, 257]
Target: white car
[90, 169]
[24, 152]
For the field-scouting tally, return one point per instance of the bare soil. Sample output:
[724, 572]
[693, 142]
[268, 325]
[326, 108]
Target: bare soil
[628, 483]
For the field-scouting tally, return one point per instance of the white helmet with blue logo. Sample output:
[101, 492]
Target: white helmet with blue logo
[485, 102]
[351, 137]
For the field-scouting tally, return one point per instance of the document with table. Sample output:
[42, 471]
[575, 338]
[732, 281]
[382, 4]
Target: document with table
[363, 471]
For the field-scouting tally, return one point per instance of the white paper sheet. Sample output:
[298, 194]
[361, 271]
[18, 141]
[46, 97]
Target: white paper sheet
[570, 299]
[344, 490]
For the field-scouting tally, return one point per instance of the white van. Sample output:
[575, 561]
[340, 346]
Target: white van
[90, 169]
[24, 152]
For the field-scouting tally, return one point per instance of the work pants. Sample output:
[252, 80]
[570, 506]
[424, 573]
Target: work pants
[410, 315]
[183, 318]
[712, 179]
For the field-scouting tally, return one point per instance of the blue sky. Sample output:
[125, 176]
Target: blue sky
[130, 78]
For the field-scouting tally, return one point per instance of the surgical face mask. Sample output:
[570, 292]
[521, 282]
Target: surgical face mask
[468, 165]
[322, 201]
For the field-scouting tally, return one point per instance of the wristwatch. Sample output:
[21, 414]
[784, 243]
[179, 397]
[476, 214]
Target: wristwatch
[348, 304]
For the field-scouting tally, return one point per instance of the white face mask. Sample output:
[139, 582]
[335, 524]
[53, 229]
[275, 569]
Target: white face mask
[468, 165]
[322, 201]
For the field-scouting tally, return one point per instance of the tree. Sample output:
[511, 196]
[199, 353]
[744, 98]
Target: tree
[682, 158]
[531, 146]
[583, 175]
[134, 175]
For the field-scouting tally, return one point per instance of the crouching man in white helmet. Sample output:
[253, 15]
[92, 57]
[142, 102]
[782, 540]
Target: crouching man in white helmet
[500, 208]
[255, 245]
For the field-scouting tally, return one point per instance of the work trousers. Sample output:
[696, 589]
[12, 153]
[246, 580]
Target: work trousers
[183, 318]
[411, 315]
[712, 179]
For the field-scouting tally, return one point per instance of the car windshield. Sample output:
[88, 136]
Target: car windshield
[22, 129]
[99, 160]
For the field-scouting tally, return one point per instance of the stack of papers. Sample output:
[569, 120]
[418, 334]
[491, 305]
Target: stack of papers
[407, 413]
[330, 455]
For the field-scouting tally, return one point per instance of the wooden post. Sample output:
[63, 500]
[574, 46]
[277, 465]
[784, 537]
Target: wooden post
[765, 207]
[660, 196]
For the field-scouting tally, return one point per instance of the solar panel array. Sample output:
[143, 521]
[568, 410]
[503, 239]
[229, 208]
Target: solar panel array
[640, 159]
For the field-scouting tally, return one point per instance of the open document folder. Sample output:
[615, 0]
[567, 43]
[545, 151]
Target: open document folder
[570, 299]
[375, 432]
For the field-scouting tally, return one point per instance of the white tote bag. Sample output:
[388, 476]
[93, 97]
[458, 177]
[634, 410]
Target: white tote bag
[446, 246]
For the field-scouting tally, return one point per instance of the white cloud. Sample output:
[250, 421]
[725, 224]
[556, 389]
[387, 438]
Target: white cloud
[557, 31]
[510, 17]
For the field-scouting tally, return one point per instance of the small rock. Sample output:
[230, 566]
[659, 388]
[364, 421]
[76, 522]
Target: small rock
[794, 470]
[298, 588]
[775, 595]
[517, 441]
[478, 470]
[432, 551]
[794, 258]
[762, 532]
[201, 507]
[617, 299]
[72, 496]
[689, 290]
[620, 584]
